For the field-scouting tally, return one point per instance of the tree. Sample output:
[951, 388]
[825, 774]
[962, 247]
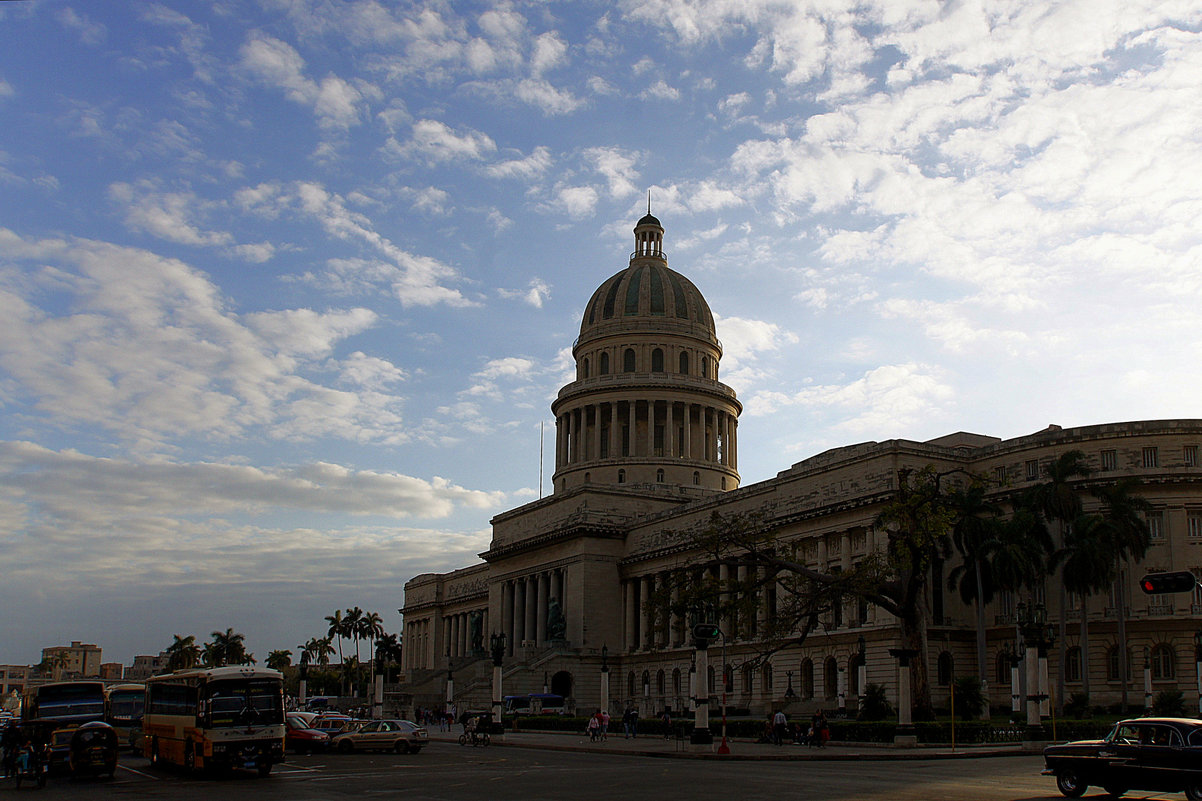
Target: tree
[1086, 566]
[1059, 503]
[371, 626]
[317, 650]
[227, 648]
[916, 523]
[353, 619]
[183, 653]
[388, 652]
[336, 631]
[1128, 529]
[974, 533]
[278, 660]
[57, 663]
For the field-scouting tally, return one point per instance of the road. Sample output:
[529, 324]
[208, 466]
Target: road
[447, 772]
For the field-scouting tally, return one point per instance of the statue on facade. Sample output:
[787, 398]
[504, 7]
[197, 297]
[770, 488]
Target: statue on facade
[476, 629]
[557, 627]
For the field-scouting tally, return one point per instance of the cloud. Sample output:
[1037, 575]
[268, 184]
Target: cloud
[617, 166]
[531, 167]
[536, 293]
[90, 32]
[151, 353]
[337, 103]
[436, 142]
[167, 215]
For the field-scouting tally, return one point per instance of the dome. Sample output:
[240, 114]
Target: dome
[648, 295]
[649, 219]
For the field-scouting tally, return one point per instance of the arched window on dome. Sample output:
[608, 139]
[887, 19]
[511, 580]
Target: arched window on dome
[659, 476]
[584, 368]
[628, 361]
[657, 360]
[684, 363]
[604, 364]
[696, 477]
[588, 477]
[621, 476]
[705, 366]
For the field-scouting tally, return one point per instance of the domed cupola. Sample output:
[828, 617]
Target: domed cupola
[646, 406]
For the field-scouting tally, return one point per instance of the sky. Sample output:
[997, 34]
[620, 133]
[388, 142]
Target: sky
[287, 286]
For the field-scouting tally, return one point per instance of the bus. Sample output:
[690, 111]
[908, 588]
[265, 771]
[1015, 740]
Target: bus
[533, 704]
[55, 710]
[123, 711]
[215, 719]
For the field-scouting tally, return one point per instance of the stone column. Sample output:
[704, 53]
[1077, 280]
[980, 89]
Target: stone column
[531, 631]
[632, 438]
[905, 722]
[648, 628]
[507, 611]
[596, 438]
[519, 613]
[669, 431]
[630, 593]
[674, 621]
[615, 431]
[540, 626]
[688, 431]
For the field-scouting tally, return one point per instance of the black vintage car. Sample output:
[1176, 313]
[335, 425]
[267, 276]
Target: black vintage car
[1158, 754]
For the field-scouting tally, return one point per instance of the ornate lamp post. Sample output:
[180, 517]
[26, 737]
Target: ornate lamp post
[497, 646]
[789, 690]
[1032, 622]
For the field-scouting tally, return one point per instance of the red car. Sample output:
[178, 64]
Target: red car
[301, 739]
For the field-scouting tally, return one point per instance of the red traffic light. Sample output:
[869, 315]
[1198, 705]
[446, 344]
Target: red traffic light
[1164, 583]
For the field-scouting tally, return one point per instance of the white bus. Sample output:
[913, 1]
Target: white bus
[215, 719]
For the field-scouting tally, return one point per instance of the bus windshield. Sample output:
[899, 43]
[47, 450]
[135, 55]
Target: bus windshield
[126, 706]
[244, 703]
[77, 701]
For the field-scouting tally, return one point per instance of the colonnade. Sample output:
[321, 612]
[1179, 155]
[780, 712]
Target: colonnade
[661, 428]
[457, 633]
[525, 602]
[418, 651]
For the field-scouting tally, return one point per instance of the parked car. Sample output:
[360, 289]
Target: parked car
[332, 723]
[401, 736]
[300, 738]
[1157, 754]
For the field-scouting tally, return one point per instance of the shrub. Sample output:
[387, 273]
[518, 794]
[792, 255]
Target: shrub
[969, 698]
[875, 705]
[1169, 703]
[1077, 706]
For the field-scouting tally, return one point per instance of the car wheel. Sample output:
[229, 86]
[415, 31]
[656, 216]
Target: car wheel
[1115, 790]
[1193, 790]
[346, 746]
[1069, 783]
[401, 747]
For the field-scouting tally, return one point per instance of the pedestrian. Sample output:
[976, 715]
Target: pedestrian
[819, 729]
[780, 727]
[604, 724]
[10, 741]
[667, 721]
[630, 721]
[594, 726]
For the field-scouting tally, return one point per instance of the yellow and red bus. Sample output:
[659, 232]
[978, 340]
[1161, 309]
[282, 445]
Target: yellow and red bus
[215, 719]
[52, 712]
[123, 711]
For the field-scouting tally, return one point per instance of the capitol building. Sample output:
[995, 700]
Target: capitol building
[647, 444]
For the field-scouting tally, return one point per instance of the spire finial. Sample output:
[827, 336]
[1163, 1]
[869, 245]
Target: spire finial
[648, 201]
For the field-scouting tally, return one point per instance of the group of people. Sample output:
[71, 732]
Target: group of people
[598, 724]
[20, 752]
[778, 731]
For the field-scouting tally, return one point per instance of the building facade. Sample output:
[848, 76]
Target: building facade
[647, 448]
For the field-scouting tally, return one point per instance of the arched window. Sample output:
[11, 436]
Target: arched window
[588, 477]
[766, 680]
[657, 360]
[748, 679]
[807, 678]
[712, 681]
[1164, 662]
[1002, 672]
[1112, 663]
[684, 364]
[646, 683]
[584, 368]
[696, 477]
[604, 364]
[630, 685]
[621, 476]
[705, 366]
[676, 681]
[853, 674]
[830, 678]
[946, 668]
[659, 476]
[628, 361]
[660, 685]
[1072, 664]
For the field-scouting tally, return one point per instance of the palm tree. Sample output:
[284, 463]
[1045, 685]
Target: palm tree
[183, 653]
[278, 660]
[227, 648]
[388, 651]
[1128, 526]
[371, 626]
[973, 533]
[336, 630]
[1059, 503]
[353, 618]
[1087, 566]
[57, 662]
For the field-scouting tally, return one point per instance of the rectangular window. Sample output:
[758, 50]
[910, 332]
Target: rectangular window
[1193, 521]
[1196, 599]
[1032, 469]
[1110, 460]
[1155, 525]
[1189, 455]
[999, 474]
[1151, 457]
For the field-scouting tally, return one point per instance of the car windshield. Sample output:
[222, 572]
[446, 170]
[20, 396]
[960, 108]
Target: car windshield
[240, 703]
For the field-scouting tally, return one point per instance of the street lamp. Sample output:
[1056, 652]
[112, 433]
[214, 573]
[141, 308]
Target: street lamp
[497, 645]
[789, 690]
[1032, 621]
[605, 678]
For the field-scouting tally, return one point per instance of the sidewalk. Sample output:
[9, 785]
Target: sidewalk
[657, 746]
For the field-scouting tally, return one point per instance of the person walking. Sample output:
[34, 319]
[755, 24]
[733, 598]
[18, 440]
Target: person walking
[667, 721]
[780, 727]
[630, 721]
[604, 725]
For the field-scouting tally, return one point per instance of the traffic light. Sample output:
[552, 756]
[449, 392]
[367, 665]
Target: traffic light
[1164, 583]
[706, 631]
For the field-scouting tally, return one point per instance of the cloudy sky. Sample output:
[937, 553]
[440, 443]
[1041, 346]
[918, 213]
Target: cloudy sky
[287, 286]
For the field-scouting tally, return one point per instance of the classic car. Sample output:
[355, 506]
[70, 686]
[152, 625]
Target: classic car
[1158, 754]
[401, 736]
